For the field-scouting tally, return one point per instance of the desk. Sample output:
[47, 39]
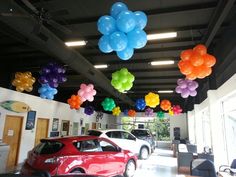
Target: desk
[224, 174]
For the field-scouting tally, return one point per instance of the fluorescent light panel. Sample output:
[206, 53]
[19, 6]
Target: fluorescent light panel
[161, 36]
[165, 91]
[100, 66]
[163, 62]
[75, 43]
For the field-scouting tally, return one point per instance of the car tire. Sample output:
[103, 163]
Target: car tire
[144, 153]
[130, 169]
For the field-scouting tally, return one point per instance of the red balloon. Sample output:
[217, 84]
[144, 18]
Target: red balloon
[196, 59]
[186, 54]
[209, 60]
[200, 48]
[132, 113]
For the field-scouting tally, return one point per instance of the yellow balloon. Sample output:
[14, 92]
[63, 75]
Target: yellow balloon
[152, 99]
[23, 81]
[116, 111]
[171, 112]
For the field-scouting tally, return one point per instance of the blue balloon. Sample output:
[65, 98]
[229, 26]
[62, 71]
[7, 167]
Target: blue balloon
[116, 8]
[106, 25]
[125, 54]
[47, 92]
[137, 38]
[126, 21]
[118, 41]
[141, 19]
[140, 104]
[126, 112]
[104, 44]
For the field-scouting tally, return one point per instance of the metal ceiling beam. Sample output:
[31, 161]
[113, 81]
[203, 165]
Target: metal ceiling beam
[53, 46]
[221, 12]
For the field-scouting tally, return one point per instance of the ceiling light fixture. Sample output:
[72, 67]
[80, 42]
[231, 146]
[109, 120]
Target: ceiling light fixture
[163, 62]
[165, 91]
[100, 66]
[75, 43]
[161, 35]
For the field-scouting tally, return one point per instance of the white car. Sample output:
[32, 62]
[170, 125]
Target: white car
[125, 140]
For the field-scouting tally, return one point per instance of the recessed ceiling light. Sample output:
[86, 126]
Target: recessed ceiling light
[165, 91]
[100, 66]
[161, 35]
[163, 62]
[75, 43]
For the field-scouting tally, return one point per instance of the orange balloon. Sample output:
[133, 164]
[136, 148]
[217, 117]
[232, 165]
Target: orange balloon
[185, 67]
[196, 71]
[165, 105]
[196, 59]
[200, 49]
[191, 76]
[132, 113]
[202, 72]
[209, 60]
[186, 54]
[208, 71]
[74, 101]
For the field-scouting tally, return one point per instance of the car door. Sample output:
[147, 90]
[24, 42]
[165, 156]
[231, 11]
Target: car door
[131, 142]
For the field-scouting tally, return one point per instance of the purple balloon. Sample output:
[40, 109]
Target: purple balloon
[178, 89]
[179, 81]
[185, 93]
[183, 85]
[193, 93]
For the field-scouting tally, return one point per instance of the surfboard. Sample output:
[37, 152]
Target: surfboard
[15, 106]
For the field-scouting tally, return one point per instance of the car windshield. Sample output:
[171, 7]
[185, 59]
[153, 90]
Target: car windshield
[94, 133]
[140, 132]
[48, 147]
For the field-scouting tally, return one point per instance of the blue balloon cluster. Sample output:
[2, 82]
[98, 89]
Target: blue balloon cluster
[140, 104]
[122, 31]
[89, 110]
[126, 112]
[47, 92]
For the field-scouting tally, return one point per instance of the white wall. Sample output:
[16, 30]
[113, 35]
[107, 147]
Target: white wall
[44, 109]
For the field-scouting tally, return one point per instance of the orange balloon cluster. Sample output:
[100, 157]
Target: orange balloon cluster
[165, 105]
[196, 62]
[74, 101]
[23, 81]
[132, 113]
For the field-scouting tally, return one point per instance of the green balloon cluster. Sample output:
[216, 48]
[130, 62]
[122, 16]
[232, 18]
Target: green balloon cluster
[108, 104]
[122, 80]
[160, 114]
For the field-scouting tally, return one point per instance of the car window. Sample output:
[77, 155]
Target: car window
[114, 134]
[107, 146]
[48, 147]
[94, 133]
[140, 133]
[87, 146]
[126, 135]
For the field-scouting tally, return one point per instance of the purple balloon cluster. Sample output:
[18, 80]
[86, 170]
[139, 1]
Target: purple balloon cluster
[52, 74]
[186, 88]
[89, 110]
[149, 112]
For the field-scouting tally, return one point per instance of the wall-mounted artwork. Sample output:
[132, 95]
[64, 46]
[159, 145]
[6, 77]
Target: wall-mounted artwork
[55, 124]
[81, 122]
[30, 120]
[54, 134]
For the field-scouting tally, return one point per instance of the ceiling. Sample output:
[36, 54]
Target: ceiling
[195, 21]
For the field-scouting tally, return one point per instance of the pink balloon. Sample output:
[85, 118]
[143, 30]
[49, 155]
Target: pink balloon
[87, 92]
[83, 86]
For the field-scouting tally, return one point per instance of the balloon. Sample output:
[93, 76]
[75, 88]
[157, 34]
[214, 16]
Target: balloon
[89, 110]
[160, 114]
[137, 38]
[108, 104]
[106, 25]
[196, 59]
[209, 60]
[165, 105]
[87, 92]
[193, 93]
[186, 87]
[201, 49]
[178, 89]
[176, 109]
[140, 104]
[126, 21]
[171, 111]
[23, 81]
[122, 80]
[125, 54]
[126, 112]
[116, 111]
[74, 101]
[186, 54]
[185, 67]
[185, 93]
[47, 92]
[152, 99]
[141, 19]
[149, 112]
[132, 113]
[116, 8]
[104, 44]
[118, 41]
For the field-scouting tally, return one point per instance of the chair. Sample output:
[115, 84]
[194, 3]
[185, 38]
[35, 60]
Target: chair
[206, 156]
[230, 169]
[183, 161]
[192, 148]
[203, 167]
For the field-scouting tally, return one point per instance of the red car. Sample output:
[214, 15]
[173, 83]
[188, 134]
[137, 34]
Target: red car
[80, 154]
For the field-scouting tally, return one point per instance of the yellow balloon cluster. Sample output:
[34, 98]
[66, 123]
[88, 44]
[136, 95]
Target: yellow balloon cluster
[152, 99]
[171, 112]
[116, 111]
[23, 81]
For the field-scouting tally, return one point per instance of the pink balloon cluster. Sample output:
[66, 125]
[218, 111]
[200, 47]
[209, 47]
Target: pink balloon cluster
[87, 92]
[176, 109]
[186, 88]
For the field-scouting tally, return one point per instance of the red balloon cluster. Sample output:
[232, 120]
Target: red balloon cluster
[74, 101]
[132, 113]
[196, 62]
[177, 109]
[165, 105]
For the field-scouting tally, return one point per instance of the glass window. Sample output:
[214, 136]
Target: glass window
[106, 146]
[206, 128]
[114, 134]
[87, 146]
[48, 147]
[94, 133]
[126, 135]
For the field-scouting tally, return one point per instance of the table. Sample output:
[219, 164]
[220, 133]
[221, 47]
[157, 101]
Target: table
[224, 174]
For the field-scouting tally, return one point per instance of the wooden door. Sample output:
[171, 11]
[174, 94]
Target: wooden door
[93, 125]
[12, 137]
[41, 130]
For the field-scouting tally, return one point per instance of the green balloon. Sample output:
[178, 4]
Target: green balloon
[108, 104]
[160, 114]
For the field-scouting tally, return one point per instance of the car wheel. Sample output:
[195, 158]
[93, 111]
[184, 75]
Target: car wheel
[144, 153]
[130, 169]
